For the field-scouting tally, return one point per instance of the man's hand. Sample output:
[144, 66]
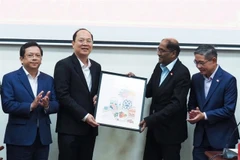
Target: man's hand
[195, 116]
[36, 101]
[95, 100]
[1, 148]
[143, 125]
[192, 114]
[91, 121]
[45, 100]
[130, 74]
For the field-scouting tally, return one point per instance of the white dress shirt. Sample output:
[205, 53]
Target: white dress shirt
[88, 78]
[208, 82]
[86, 72]
[33, 81]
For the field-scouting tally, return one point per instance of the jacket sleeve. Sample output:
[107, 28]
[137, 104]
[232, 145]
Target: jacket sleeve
[192, 102]
[10, 103]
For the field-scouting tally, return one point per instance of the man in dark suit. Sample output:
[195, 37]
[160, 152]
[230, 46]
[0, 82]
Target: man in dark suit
[76, 81]
[168, 87]
[28, 97]
[212, 104]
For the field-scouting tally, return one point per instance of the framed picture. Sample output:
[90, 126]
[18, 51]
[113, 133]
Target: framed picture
[120, 101]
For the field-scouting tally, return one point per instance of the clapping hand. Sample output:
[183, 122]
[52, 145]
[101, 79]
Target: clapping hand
[45, 100]
[41, 101]
[195, 116]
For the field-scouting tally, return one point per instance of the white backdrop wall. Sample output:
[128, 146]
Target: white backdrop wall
[114, 144]
[123, 23]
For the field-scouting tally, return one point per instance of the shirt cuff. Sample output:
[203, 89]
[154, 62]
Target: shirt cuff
[84, 119]
[46, 109]
[205, 116]
[31, 107]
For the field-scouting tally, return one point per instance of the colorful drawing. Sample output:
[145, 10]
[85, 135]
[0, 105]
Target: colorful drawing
[114, 103]
[122, 108]
[127, 104]
[131, 112]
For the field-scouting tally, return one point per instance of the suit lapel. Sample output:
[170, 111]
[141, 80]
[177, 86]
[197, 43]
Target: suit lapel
[215, 82]
[40, 84]
[78, 69]
[93, 74]
[157, 76]
[201, 91]
[24, 80]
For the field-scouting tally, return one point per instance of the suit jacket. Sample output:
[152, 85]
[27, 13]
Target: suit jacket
[219, 106]
[17, 97]
[168, 110]
[74, 96]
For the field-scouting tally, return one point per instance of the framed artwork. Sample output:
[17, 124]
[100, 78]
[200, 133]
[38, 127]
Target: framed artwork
[120, 101]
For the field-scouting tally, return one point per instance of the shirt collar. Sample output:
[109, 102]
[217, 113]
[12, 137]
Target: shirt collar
[83, 65]
[28, 74]
[213, 74]
[170, 65]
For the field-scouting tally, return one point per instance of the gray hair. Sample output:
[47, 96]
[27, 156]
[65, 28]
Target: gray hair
[207, 50]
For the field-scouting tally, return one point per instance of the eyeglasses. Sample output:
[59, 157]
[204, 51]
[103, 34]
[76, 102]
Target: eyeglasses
[162, 51]
[88, 41]
[38, 56]
[200, 63]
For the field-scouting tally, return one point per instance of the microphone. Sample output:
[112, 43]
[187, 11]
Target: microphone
[228, 154]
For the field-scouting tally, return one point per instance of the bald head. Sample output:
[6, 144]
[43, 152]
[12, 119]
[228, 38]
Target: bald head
[172, 44]
[171, 40]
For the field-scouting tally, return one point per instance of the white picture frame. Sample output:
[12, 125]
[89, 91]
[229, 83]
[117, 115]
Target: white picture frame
[120, 101]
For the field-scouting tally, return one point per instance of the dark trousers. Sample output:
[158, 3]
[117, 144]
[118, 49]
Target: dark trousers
[75, 147]
[36, 151]
[158, 151]
[199, 152]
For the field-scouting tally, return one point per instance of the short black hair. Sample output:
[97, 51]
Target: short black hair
[207, 50]
[75, 33]
[27, 45]
[172, 46]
